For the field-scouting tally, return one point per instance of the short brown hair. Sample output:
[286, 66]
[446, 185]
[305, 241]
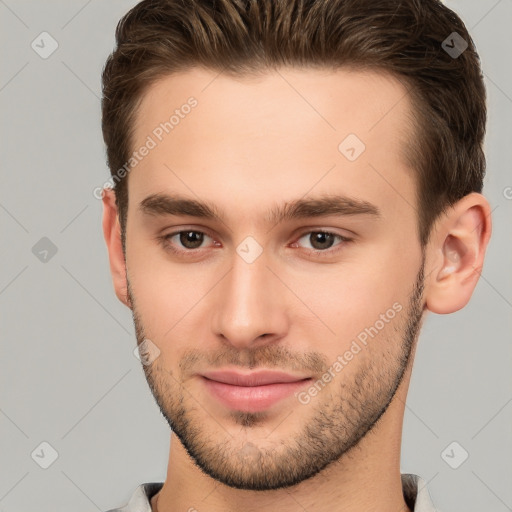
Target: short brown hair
[243, 37]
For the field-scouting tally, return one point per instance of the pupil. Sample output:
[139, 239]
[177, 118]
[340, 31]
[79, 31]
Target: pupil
[191, 237]
[320, 238]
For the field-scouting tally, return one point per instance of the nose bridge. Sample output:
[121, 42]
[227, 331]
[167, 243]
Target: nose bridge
[248, 304]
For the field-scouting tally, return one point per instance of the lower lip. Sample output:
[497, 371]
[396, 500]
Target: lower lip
[252, 398]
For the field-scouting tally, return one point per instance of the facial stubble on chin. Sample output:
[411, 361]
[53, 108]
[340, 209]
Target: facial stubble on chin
[330, 433]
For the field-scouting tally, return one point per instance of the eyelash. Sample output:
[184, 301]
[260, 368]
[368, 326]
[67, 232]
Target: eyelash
[316, 252]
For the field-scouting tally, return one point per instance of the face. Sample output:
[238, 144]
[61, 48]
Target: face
[306, 261]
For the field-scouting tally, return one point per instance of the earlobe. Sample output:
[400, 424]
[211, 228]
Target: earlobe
[462, 236]
[112, 235]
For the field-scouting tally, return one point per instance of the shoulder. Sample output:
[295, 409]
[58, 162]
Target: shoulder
[139, 500]
[416, 493]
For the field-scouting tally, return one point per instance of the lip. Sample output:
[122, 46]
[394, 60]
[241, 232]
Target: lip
[252, 392]
[258, 378]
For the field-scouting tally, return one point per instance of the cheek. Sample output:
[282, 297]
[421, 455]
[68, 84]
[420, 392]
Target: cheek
[365, 300]
[166, 293]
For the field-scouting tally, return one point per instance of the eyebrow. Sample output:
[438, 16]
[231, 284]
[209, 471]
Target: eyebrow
[319, 206]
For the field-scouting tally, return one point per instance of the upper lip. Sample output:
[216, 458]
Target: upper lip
[258, 378]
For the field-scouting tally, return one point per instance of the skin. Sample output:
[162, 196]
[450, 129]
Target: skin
[247, 146]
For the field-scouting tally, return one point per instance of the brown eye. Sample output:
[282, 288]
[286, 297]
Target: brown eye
[184, 241]
[322, 241]
[191, 239]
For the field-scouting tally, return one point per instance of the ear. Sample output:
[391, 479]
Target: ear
[112, 234]
[457, 248]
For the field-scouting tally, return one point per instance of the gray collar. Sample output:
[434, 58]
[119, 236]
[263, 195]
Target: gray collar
[414, 488]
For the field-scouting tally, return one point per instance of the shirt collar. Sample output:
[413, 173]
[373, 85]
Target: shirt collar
[414, 489]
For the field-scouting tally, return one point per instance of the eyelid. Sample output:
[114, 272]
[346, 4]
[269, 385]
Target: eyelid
[344, 240]
[164, 239]
[329, 231]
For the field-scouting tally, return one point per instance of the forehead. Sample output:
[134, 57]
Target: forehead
[333, 100]
[275, 136]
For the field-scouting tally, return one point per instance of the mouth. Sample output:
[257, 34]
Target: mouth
[253, 392]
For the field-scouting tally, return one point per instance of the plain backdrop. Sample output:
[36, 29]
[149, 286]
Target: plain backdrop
[74, 396]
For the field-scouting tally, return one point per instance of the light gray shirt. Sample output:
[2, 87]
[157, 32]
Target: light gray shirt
[414, 488]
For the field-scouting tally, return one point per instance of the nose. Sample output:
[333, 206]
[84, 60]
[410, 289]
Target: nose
[250, 305]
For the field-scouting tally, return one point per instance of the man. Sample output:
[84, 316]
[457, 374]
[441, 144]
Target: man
[297, 184]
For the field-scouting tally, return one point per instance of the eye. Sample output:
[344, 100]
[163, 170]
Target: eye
[189, 240]
[322, 241]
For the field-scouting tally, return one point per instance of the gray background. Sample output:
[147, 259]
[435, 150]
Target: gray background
[68, 373]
